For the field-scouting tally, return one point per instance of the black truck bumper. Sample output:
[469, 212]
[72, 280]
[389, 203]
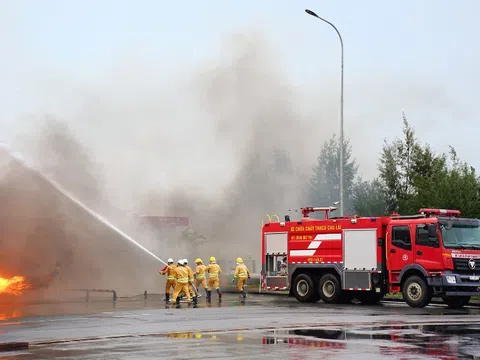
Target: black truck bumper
[454, 284]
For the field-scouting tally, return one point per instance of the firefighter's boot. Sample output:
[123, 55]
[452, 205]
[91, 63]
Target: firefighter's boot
[209, 295]
[167, 297]
[195, 300]
[244, 294]
[219, 294]
[178, 300]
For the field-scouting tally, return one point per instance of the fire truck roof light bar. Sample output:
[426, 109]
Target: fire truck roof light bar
[445, 212]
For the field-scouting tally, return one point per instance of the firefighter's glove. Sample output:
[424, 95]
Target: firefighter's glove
[233, 280]
[249, 276]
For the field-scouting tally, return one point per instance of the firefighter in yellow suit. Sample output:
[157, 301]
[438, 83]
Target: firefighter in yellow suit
[213, 269]
[200, 275]
[181, 275]
[190, 281]
[242, 273]
[169, 270]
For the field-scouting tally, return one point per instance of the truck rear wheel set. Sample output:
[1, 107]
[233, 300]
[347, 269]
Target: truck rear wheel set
[310, 288]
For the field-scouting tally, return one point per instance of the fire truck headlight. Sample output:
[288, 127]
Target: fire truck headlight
[451, 279]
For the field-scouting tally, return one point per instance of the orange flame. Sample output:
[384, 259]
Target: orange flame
[13, 286]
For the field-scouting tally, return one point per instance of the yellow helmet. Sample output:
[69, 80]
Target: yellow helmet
[212, 259]
[239, 260]
[199, 261]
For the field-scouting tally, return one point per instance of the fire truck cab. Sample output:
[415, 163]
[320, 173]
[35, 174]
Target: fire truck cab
[434, 253]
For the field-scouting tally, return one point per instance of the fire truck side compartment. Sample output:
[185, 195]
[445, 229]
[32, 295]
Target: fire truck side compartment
[275, 247]
[276, 243]
[356, 280]
[360, 258]
[360, 249]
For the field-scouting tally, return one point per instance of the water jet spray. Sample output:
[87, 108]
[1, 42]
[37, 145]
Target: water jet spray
[20, 159]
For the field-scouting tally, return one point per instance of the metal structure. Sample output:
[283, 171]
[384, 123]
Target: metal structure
[310, 12]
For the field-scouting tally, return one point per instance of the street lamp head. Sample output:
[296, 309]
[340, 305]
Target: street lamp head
[310, 12]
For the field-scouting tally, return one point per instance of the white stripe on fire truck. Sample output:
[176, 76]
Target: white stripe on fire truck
[314, 245]
[328, 237]
[302, 252]
[276, 288]
[358, 289]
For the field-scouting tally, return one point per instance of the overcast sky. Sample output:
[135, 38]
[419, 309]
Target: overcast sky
[416, 56]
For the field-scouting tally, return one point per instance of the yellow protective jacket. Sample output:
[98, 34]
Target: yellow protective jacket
[241, 271]
[213, 270]
[190, 273]
[169, 271]
[200, 272]
[181, 274]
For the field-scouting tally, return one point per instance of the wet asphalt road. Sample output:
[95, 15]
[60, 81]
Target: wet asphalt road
[262, 327]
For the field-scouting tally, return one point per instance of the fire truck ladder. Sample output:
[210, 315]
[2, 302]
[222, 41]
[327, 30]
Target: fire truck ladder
[269, 218]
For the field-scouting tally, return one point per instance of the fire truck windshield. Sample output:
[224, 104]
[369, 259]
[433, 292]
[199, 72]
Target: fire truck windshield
[460, 234]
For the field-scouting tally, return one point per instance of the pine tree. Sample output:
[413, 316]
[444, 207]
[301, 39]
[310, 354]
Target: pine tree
[324, 185]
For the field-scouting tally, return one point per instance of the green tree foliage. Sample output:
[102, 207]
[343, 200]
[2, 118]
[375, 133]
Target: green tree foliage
[368, 198]
[324, 185]
[398, 165]
[413, 176]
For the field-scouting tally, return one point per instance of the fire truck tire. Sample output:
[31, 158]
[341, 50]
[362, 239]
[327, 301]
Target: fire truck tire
[304, 288]
[416, 292]
[456, 302]
[329, 289]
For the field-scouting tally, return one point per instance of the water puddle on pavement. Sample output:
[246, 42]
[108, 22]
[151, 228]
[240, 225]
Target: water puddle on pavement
[448, 341]
[452, 341]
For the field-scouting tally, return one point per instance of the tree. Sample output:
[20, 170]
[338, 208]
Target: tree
[460, 187]
[324, 185]
[413, 176]
[397, 168]
[368, 198]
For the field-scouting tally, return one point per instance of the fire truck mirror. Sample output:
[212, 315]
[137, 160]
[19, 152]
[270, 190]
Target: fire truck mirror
[287, 218]
[449, 225]
[433, 235]
[432, 232]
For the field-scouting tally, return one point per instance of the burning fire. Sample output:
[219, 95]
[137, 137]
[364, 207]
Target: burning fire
[13, 286]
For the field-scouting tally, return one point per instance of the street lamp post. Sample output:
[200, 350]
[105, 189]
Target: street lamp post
[310, 12]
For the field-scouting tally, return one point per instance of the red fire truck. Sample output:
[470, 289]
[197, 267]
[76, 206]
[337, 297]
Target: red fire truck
[434, 253]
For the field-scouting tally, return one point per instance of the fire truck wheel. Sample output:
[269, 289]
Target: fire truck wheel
[329, 288]
[456, 302]
[416, 292]
[304, 288]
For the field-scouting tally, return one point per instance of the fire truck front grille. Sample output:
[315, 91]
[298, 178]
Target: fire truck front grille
[462, 265]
